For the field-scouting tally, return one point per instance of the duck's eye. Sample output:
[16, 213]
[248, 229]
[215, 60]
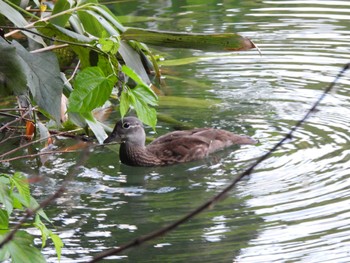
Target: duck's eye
[126, 125]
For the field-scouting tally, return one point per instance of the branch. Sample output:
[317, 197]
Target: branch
[153, 235]
[33, 142]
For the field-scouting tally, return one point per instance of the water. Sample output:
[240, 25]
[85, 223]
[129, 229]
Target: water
[294, 208]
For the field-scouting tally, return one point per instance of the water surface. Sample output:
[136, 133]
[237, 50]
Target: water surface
[294, 208]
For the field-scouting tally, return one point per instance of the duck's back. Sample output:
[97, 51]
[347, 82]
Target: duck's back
[183, 146]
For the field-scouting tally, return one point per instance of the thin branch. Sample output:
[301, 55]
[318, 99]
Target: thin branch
[36, 155]
[29, 143]
[14, 121]
[153, 235]
[53, 39]
[71, 10]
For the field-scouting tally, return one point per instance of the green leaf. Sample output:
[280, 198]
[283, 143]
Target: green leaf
[33, 205]
[91, 23]
[133, 60]
[145, 94]
[194, 103]
[109, 16]
[21, 249]
[91, 90]
[43, 229]
[96, 127]
[145, 113]
[125, 102]
[132, 74]
[43, 79]
[4, 219]
[61, 6]
[22, 186]
[110, 44]
[6, 198]
[215, 42]
[12, 70]
[57, 241]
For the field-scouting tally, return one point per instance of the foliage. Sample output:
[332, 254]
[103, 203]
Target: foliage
[89, 32]
[15, 195]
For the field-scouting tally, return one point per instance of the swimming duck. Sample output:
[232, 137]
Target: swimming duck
[173, 147]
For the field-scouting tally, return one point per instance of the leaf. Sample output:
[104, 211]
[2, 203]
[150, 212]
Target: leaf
[5, 198]
[61, 33]
[18, 20]
[96, 128]
[145, 113]
[33, 205]
[22, 186]
[91, 90]
[11, 69]
[214, 42]
[90, 24]
[21, 249]
[4, 219]
[125, 102]
[132, 74]
[43, 79]
[110, 45]
[133, 60]
[57, 241]
[61, 6]
[146, 94]
[194, 103]
[43, 229]
[109, 16]
[142, 90]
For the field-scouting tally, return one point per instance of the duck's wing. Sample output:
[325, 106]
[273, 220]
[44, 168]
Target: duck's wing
[220, 139]
[173, 136]
[179, 149]
[183, 146]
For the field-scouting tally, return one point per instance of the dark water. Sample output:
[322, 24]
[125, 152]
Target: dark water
[294, 208]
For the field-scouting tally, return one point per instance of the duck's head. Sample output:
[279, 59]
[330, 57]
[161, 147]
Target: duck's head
[128, 130]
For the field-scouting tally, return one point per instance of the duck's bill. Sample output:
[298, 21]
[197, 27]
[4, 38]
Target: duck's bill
[113, 137]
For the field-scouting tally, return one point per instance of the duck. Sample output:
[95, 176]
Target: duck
[171, 148]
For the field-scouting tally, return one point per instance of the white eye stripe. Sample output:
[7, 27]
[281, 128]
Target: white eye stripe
[127, 125]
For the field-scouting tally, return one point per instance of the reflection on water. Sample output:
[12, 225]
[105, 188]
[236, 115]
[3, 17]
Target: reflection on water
[294, 208]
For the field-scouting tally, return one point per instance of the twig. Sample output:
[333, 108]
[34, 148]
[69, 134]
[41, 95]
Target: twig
[35, 155]
[153, 235]
[28, 144]
[45, 202]
[12, 115]
[14, 121]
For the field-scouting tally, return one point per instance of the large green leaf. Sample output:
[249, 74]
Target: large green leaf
[215, 42]
[91, 90]
[11, 69]
[21, 249]
[43, 78]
